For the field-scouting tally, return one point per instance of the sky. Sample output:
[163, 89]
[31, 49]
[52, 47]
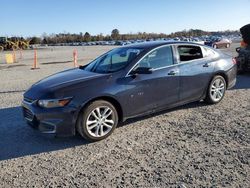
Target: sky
[33, 17]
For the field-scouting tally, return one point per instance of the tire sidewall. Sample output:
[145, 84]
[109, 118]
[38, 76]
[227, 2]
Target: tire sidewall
[84, 115]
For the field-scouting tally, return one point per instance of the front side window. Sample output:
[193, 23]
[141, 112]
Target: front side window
[188, 53]
[114, 60]
[158, 58]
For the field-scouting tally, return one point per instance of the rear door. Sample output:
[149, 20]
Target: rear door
[196, 70]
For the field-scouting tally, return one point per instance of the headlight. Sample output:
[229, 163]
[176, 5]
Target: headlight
[53, 103]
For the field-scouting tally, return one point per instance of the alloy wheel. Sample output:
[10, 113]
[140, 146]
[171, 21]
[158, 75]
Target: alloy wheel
[100, 121]
[217, 90]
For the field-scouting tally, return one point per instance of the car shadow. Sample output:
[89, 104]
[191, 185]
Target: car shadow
[186, 106]
[18, 139]
[243, 82]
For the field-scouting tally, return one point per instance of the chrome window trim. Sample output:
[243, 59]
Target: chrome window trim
[174, 64]
[165, 67]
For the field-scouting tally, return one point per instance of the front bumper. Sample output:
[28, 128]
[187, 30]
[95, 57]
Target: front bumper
[59, 121]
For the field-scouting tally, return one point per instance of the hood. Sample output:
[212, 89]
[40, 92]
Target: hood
[60, 80]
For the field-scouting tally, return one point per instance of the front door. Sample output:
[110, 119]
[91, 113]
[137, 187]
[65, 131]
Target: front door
[159, 89]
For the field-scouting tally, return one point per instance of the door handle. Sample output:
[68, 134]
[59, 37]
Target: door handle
[207, 65]
[172, 73]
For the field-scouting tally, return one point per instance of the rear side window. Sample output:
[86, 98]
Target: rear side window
[188, 53]
[209, 52]
[161, 57]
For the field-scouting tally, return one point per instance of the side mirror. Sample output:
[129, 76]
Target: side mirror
[142, 70]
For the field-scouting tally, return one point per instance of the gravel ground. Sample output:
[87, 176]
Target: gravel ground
[195, 145]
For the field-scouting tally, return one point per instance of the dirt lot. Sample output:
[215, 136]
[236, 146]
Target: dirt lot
[195, 145]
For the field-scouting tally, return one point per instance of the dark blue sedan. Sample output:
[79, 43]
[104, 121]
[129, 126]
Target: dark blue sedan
[127, 82]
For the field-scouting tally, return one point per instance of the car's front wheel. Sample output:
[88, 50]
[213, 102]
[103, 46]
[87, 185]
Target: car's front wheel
[97, 121]
[216, 90]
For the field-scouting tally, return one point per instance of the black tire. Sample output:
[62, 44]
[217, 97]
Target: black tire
[209, 96]
[86, 113]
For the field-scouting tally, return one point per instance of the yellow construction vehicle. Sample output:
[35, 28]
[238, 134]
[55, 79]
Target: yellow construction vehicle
[13, 43]
[24, 44]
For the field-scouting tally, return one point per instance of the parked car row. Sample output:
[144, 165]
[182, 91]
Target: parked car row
[212, 41]
[116, 43]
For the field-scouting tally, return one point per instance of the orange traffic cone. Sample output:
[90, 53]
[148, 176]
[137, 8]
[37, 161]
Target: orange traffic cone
[35, 66]
[75, 58]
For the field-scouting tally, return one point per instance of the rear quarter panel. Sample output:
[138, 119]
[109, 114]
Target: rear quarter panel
[223, 63]
[225, 66]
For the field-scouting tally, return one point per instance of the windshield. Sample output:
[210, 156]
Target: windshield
[114, 60]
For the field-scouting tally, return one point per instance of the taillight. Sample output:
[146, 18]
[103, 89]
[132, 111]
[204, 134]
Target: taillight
[234, 60]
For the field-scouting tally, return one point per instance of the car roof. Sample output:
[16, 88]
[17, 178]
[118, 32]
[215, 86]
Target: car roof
[154, 44]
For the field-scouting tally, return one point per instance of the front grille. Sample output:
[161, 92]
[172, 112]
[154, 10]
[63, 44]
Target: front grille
[28, 114]
[28, 100]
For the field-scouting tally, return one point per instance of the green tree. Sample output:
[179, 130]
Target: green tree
[115, 34]
[45, 41]
[35, 40]
[87, 37]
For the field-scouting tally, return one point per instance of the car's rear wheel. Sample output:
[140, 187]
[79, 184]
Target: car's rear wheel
[97, 121]
[216, 90]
